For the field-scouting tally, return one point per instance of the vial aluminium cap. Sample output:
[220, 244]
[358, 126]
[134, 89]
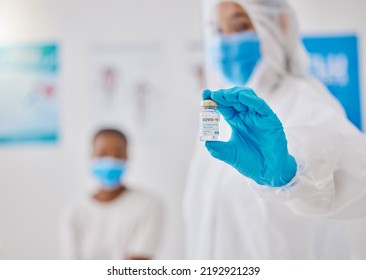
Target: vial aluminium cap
[208, 103]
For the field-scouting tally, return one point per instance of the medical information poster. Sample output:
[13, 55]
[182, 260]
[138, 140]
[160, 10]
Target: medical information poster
[334, 60]
[29, 111]
[126, 88]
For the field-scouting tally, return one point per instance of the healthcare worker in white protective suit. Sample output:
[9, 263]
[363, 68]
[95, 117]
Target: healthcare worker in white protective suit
[291, 167]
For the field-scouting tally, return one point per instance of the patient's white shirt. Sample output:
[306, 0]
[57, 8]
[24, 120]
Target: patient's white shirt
[125, 227]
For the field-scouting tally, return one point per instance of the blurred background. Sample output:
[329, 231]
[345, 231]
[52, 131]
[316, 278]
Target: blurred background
[135, 65]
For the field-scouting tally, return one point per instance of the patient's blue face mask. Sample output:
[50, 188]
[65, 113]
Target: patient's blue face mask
[236, 56]
[108, 171]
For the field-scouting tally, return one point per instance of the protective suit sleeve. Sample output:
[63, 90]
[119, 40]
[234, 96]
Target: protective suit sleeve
[331, 175]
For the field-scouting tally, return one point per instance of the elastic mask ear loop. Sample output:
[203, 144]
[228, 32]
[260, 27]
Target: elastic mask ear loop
[284, 25]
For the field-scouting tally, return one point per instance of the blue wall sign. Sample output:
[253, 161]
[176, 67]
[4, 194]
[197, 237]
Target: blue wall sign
[334, 60]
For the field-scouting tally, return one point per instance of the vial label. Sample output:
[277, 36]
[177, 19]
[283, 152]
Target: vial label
[209, 126]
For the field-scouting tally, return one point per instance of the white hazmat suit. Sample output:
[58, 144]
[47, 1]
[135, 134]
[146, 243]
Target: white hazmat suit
[227, 215]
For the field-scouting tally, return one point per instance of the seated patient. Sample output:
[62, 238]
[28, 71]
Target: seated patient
[115, 222]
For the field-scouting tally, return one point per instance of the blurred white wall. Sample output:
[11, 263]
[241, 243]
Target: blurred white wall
[37, 181]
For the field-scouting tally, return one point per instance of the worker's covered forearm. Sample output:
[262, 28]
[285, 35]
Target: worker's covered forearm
[330, 181]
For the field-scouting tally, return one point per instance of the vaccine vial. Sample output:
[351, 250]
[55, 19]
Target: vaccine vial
[209, 121]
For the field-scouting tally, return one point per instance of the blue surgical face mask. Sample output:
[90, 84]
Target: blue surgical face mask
[108, 171]
[236, 56]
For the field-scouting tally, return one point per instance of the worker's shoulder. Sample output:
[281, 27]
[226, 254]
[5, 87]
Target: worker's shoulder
[305, 101]
[313, 90]
[307, 94]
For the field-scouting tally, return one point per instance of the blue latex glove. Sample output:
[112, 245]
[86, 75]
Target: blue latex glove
[258, 146]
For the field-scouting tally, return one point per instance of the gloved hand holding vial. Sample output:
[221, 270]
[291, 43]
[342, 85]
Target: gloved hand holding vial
[258, 146]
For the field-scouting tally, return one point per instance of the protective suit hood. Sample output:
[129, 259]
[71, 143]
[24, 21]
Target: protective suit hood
[276, 25]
